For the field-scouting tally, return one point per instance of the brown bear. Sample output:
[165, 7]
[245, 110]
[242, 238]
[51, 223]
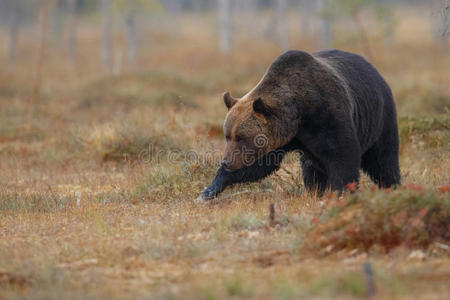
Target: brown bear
[332, 106]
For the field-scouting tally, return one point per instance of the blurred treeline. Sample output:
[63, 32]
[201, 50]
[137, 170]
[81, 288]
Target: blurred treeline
[63, 21]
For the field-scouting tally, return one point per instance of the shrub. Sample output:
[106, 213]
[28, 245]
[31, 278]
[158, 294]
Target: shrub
[409, 216]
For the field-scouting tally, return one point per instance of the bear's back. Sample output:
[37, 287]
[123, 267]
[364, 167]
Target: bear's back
[360, 75]
[371, 95]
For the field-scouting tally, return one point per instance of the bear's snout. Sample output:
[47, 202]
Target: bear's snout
[230, 165]
[225, 163]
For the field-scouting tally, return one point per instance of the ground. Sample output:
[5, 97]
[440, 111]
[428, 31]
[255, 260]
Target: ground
[98, 179]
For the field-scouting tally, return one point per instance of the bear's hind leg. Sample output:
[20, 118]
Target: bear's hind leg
[314, 178]
[382, 165]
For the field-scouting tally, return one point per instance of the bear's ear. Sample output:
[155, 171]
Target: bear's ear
[229, 100]
[260, 107]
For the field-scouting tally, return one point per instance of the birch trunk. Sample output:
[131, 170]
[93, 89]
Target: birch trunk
[325, 26]
[225, 25]
[283, 26]
[132, 42]
[73, 41]
[106, 34]
[174, 7]
[40, 51]
[13, 30]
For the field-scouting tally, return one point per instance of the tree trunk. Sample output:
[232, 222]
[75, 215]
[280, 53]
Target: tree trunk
[305, 19]
[440, 22]
[58, 20]
[246, 14]
[325, 26]
[106, 34]
[174, 7]
[130, 21]
[40, 51]
[445, 23]
[283, 26]
[365, 43]
[73, 45]
[225, 25]
[13, 30]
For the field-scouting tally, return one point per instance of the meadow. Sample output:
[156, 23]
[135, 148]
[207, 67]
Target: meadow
[98, 179]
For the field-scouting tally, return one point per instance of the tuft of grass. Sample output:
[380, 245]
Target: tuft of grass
[134, 147]
[155, 89]
[31, 202]
[433, 130]
[237, 287]
[131, 141]
[284, 290]
[352, 283]
[421, 96]
[409, 216]
[247, 221]
[162, 185]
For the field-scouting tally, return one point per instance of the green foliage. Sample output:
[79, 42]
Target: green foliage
[433, 130]
[330, 11]
[349, 283]
[126, 6]
[422, 124]
[385, 16]
[237, 287]
[353, 6]
[333, 10]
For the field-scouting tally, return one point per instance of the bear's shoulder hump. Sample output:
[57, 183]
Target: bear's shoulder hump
[294, 56]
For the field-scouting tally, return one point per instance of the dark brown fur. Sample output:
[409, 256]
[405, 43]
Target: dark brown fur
[333, 106]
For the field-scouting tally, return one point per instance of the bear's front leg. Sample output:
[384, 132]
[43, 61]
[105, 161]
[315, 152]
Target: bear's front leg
[221, 181]
[337, 149]
[263, 167]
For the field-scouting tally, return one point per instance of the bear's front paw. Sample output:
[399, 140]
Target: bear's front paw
[207, 194]
[200, 199]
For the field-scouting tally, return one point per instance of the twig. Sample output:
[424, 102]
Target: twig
[247, 192]
[272, 214]
[371, 291]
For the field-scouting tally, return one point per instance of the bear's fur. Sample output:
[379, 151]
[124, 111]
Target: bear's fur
[332, 106]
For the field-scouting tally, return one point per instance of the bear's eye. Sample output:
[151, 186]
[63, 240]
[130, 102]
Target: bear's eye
[227, 138]
[239, 138]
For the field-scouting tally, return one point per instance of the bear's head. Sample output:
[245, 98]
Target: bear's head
[268, 117]
[252, 128]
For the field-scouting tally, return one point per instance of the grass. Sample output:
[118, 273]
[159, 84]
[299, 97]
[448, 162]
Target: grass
[97, 181]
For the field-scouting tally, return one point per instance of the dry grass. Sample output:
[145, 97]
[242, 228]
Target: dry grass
[97, 185]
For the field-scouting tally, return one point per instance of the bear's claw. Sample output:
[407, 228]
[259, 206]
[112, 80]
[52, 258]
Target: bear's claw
[207, 194]
[200, 200]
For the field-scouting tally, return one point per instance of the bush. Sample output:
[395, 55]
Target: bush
[409, 216]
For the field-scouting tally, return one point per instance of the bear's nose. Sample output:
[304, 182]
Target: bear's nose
[225, 163]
